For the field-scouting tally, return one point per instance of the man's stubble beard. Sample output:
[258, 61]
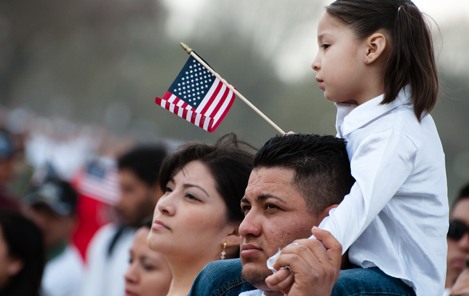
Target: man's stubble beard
[256, 276]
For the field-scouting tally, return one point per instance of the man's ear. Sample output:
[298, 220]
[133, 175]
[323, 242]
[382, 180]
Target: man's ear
[375, 47]
[325, 212]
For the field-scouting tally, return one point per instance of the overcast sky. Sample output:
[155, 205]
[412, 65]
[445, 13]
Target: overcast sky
[293, 60]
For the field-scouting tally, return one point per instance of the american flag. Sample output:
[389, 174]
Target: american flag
[198, 96]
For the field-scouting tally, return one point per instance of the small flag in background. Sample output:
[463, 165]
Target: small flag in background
[198, 96]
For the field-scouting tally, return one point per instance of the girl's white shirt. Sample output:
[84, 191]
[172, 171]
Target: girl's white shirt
[396, 215]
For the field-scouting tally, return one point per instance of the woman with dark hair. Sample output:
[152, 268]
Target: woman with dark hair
[21, 255]
[196, 220]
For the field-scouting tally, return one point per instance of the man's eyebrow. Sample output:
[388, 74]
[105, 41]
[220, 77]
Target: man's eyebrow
[263, 197]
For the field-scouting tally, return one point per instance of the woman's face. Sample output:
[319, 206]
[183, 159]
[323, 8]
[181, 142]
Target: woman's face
[190, 220]
[148, 273]
[8, 266]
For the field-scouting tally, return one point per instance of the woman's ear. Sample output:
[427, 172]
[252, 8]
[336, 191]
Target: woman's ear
[375, 47]
[233, 239]
[231, 244]
[14, 266]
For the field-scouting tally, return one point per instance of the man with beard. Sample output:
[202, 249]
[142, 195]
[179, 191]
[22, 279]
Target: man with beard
[297, 179]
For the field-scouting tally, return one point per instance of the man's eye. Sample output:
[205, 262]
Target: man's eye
[271, 207]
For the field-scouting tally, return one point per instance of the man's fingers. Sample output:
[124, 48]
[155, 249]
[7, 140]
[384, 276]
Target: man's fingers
[333, 247]
[281, 280]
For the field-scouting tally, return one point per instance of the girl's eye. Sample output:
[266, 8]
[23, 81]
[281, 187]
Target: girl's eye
[148, 266]
[168, 189]
[325, 46]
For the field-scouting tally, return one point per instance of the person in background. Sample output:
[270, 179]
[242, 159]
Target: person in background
[52, 206]
[196, 220]
[108, 252]
[7, 151]
[22, 256]
[461, 286]
[458, 237]
[98, 189]
[148, 273]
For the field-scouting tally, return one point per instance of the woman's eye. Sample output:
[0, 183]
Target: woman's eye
[192, 197]
[168, 189]
[325, 45]
[245, 209]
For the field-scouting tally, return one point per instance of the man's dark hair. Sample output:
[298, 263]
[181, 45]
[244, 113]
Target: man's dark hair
[320, 164]
[144, 161]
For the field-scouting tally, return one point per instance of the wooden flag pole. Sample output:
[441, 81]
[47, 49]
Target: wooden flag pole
[195, 56]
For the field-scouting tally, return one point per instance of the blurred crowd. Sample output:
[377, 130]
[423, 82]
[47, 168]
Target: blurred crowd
[75, 213]
[60, 188]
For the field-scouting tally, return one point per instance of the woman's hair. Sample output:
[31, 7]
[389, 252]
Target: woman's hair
[411, 59]
[229, 161]
[25, 243]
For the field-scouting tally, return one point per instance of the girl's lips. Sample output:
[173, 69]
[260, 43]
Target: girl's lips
[320, 83]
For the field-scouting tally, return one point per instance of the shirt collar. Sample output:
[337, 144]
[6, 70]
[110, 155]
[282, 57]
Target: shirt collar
[351, 117]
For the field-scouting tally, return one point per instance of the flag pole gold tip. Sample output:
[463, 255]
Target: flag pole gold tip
[185, 47]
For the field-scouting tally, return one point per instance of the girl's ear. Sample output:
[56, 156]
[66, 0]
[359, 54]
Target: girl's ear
[375, 46]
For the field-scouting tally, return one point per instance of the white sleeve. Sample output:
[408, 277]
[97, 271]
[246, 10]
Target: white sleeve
[380, 164]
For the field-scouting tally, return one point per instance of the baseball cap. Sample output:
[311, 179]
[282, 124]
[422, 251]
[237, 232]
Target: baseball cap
[59, 195]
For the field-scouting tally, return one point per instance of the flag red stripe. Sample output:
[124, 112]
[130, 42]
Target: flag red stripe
[220, 102]
[212, 98]
[215, 124]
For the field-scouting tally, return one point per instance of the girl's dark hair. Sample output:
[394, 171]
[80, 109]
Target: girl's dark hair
[25, 243]
[229, 161]
[411, 59]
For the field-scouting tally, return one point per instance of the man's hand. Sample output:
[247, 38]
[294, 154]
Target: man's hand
[313, 266]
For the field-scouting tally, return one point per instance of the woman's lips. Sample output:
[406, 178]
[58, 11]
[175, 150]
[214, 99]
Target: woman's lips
[158, 224]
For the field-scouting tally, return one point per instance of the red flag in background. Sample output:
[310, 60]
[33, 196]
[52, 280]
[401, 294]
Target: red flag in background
[198, 96]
